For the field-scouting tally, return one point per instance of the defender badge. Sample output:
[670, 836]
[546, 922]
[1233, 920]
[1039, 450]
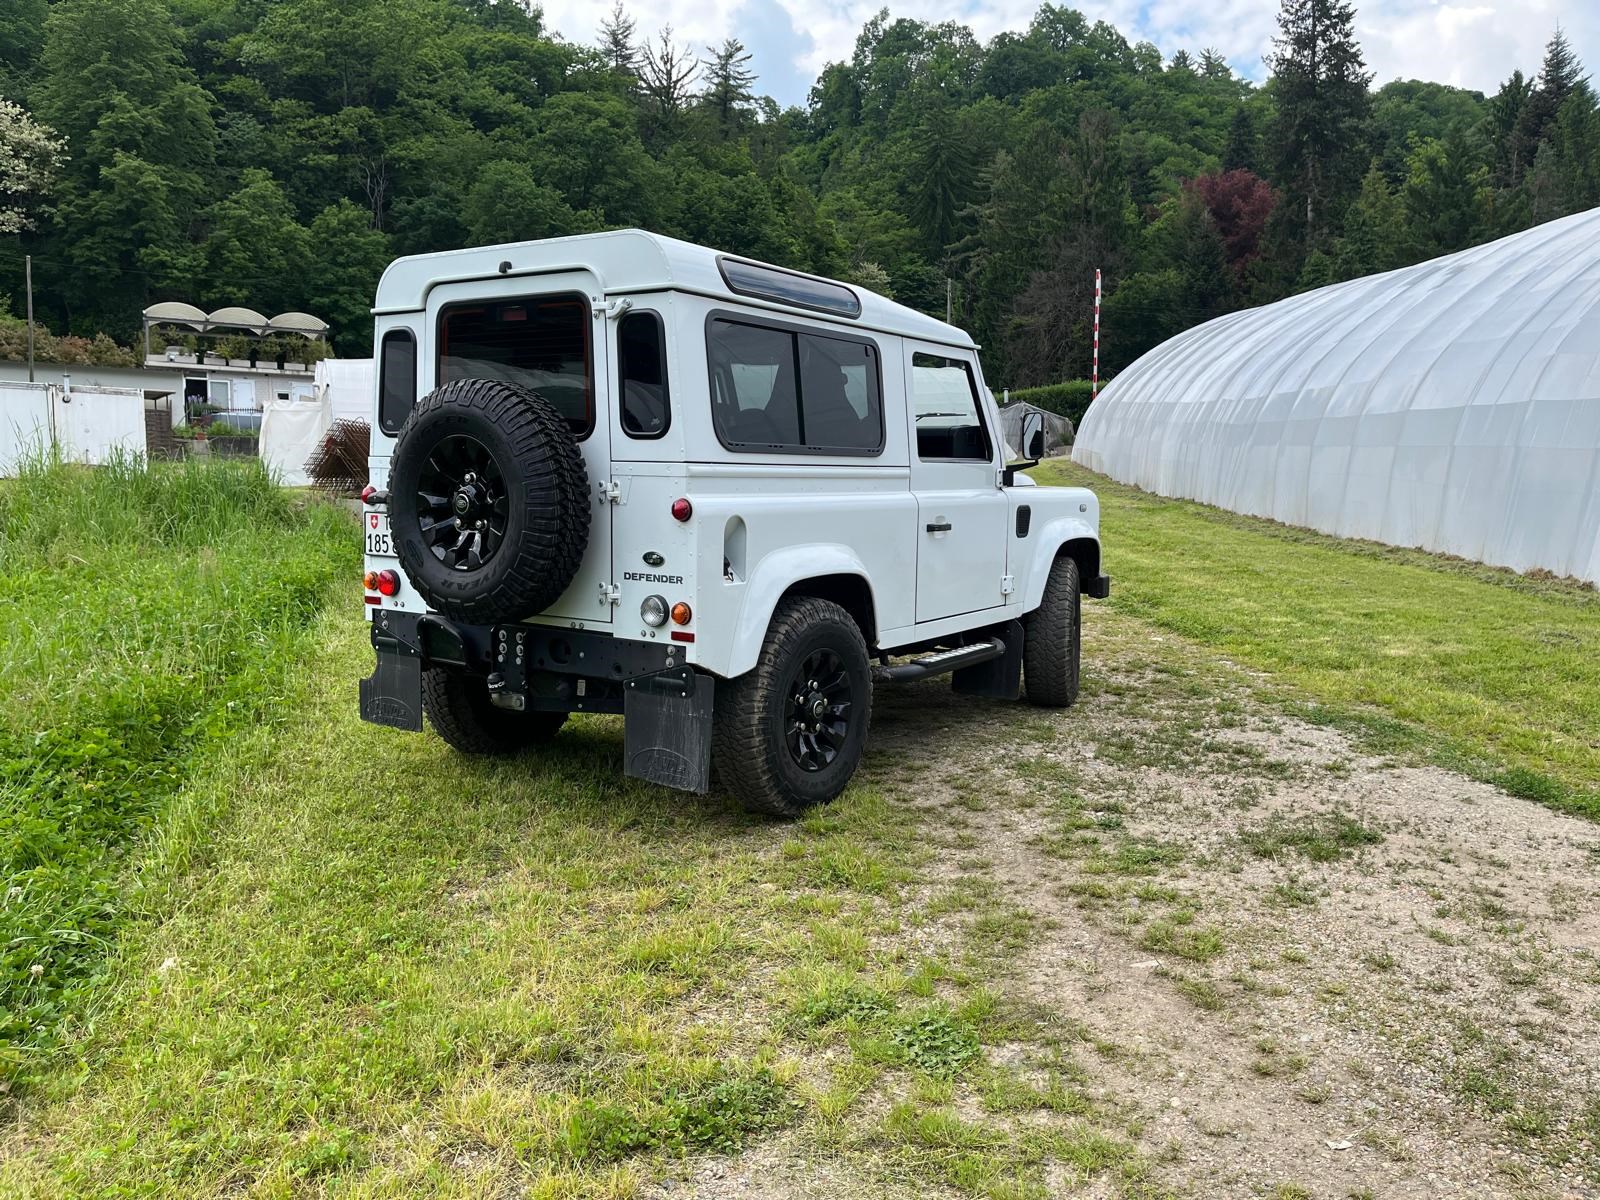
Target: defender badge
[653, 559]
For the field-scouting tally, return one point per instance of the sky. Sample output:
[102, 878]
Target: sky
[1472, 43]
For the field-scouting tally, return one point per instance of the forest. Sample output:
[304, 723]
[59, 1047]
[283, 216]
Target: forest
[279, 155]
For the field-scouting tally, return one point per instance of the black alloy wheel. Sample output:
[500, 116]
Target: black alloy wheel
[820, 706]
[462, 506]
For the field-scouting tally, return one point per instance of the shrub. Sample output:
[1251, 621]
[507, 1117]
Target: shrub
[1070, 399]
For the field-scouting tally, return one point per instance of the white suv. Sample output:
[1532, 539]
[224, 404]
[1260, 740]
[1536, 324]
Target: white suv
[619, 473]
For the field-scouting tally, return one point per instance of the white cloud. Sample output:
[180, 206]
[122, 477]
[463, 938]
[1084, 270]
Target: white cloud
[1471, 43]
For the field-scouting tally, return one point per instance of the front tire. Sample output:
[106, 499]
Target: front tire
[463, 715]
[1052, 639]
[790, 733]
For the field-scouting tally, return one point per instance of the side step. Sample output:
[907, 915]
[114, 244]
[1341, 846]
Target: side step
[940, 663]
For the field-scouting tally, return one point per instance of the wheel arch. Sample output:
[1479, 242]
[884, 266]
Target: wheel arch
[1071, 537]
[827, 572]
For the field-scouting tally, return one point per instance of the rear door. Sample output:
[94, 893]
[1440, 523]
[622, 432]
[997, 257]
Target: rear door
[545, 334]
[961, 509]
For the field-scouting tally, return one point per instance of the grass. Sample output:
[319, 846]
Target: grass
[148, 616]
[1479, 668]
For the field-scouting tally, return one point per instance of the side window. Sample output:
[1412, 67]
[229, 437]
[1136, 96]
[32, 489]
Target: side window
[642, 375]
[397, 379]
[944, 400]
[754, 397]
[540, 342]
[779, 390]
[839, 394]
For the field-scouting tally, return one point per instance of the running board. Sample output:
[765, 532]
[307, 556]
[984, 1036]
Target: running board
[941, 663]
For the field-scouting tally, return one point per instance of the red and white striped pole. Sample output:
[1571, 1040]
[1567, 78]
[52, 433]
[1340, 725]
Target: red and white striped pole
[1094, 383]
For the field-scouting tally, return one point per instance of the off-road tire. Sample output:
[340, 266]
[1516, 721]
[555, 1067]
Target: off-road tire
[1052, 639]
[461, 713]
[546, 486]
[749, 743]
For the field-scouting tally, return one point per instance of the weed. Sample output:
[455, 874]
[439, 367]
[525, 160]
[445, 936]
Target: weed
[1322, 839]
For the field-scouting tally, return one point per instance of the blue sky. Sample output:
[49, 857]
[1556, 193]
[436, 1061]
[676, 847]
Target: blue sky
[1471, 43]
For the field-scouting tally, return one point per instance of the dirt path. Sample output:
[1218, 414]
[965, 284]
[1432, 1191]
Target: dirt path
[1286, 967]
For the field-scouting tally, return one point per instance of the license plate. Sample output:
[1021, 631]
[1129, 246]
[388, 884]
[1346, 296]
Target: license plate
[378, 541]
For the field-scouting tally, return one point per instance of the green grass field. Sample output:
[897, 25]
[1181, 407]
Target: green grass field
[292, 954]
[1482, 669]
[145, 618]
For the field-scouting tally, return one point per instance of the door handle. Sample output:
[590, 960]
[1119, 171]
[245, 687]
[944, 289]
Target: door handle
[939, 527]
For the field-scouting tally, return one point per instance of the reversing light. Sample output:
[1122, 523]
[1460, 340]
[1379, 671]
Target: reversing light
[653, 611]
[389, 582]
[682, 614]
[682, 510]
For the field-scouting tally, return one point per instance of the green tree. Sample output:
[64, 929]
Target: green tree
[140, 138]
[618, 43]
[728, 95]
[1559, 77]
[1445, 197]
[347, 255]
[508, 203]
[256, 253]
[1320, 84]
[1566, 171]
[1374, 230]
[21, 37]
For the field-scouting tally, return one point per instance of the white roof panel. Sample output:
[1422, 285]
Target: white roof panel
[633, 260]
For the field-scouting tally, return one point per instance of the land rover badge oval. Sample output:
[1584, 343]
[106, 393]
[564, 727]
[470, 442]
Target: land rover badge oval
[653, 559]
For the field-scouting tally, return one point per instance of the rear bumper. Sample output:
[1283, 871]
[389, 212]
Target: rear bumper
[1099, 587]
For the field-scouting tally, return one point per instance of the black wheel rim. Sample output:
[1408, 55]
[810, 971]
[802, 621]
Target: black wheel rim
[461, 503]
[820, 704]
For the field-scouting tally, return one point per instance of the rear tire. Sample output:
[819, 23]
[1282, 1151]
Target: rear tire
[780, 745]
[463, 715]
[1052, 639]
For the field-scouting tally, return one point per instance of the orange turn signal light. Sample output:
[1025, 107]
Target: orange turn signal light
[371, 581]
[682, 614]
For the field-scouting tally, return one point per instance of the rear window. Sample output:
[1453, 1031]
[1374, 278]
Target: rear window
[397, 380]
[539, 342]
[777, 389]
[642, 375]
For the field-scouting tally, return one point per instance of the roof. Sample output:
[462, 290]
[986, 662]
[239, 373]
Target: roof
[633, 260]
[1453, 405]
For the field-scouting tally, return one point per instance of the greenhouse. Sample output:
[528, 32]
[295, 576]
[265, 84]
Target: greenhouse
[1452, 405]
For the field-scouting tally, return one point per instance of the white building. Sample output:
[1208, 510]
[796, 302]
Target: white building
[1453, 405]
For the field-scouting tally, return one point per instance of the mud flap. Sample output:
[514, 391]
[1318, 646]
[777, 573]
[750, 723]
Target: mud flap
[999, 678]
[392, 694]
[666, 729]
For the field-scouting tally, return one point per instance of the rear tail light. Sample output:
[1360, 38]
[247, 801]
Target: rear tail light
[389, 582]
[682, 510]
[682, 614]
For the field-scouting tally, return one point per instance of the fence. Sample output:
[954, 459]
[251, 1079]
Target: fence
[84, 425]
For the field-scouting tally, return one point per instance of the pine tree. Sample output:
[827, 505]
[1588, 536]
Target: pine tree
[1181, 61]
[617, 33]
[1374, 230]
[1559, 77]
[666, 74]
[1320, 136]
[728, 76]
[1503, 126]
[943, 173]
[1241, 153]
[1213, 65]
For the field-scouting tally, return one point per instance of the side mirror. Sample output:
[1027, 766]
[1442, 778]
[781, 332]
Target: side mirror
[1032, 436]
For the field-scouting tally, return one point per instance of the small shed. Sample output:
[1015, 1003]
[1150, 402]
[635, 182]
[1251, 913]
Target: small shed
[1058, 431]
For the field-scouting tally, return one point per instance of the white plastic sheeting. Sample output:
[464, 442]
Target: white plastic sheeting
[349, 386]
[291, 430]
[1453, 405]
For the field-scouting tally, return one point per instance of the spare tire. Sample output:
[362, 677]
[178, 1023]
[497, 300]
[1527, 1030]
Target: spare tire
[488, 501]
